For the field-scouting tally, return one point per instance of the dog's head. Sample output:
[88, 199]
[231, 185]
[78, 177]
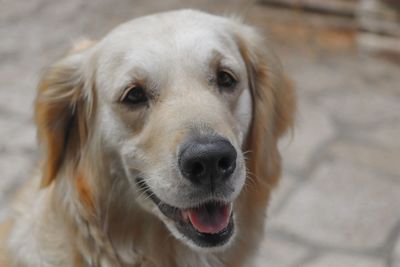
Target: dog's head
[169, 105]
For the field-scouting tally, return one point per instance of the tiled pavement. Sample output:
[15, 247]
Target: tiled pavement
[338, 204]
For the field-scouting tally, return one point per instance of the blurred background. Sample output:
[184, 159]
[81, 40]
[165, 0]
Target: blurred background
[338, 203]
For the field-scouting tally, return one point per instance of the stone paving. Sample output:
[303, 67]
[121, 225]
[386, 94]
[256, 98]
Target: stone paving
[338, 203]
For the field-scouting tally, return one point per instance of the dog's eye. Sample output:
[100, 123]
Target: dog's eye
[225, 80]
[135, 95]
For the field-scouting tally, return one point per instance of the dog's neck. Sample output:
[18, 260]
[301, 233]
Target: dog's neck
[91, 217]
[124, 234]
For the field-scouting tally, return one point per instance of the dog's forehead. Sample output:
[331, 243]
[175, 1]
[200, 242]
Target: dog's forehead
[158, 43]
[185, 22]
[171, 29]
[168, 32]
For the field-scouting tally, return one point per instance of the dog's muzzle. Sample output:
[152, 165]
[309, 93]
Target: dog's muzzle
[207, 163]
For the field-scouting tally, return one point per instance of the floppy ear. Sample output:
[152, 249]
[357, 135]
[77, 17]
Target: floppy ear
[63, 108]
[273, 105]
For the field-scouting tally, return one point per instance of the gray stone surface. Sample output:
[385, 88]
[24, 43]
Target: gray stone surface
[18, 135]
[342, 206]
[363, 108]
[369, 156]
[395, 257]
[338, 203]
[15, 167]
[274, 253]
[279, 196]
[345, 261]
[298, 148]
[385, 136]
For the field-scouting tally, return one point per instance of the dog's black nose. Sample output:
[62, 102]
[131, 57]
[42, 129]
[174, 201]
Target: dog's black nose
[207, 159]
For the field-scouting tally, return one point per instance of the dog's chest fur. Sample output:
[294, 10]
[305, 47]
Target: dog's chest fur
[41, 238]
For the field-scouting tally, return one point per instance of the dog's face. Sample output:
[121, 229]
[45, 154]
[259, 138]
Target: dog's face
[176, 107]
[171, 100]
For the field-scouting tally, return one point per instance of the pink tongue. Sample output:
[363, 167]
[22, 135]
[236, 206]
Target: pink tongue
[209, 219]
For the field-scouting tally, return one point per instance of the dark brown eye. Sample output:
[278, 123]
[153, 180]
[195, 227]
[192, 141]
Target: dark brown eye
[225, 80]
[135, 95]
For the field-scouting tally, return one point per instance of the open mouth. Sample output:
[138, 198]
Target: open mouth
[209, 224]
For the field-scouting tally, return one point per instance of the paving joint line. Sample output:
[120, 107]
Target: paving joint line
[318, 157]
[324, 248]
[393, 239]
[312, 256]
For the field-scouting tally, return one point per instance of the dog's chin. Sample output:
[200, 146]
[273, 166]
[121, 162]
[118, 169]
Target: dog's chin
[209, 226]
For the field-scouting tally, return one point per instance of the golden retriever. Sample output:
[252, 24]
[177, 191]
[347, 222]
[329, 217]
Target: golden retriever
[160, 148]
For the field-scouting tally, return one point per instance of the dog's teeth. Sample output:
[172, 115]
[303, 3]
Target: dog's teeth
[230, 208]
[185, 215]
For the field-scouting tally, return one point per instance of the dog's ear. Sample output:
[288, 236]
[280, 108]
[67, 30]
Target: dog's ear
[273, 104]
[63, 108]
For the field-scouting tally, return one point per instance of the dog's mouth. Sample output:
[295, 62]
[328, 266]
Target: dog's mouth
[209, 224]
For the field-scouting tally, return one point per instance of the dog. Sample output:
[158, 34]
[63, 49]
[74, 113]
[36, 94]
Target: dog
[159, 148]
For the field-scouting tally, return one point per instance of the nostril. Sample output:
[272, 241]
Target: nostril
[197, 169]
[224, 163]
